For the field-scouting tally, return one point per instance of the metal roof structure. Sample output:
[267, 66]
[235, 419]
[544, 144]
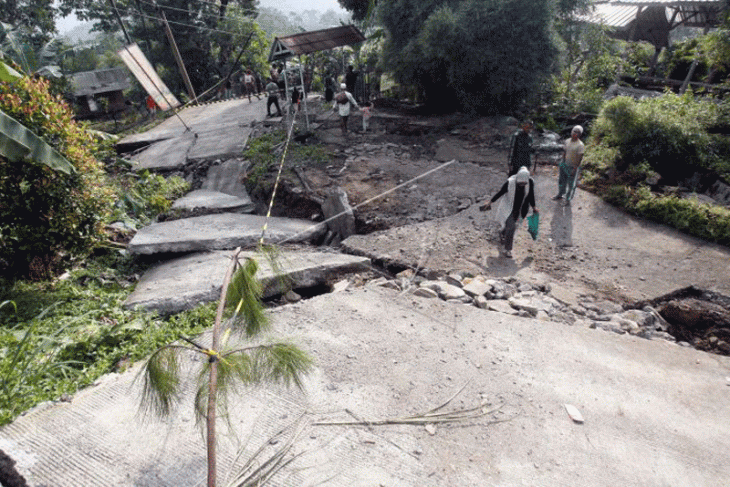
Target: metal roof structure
[101, 81]
[314, 41]
[652, 20]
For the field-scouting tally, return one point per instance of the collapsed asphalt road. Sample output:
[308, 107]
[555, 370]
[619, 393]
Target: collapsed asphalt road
[653, 413]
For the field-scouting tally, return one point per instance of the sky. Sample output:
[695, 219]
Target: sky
[286, 6]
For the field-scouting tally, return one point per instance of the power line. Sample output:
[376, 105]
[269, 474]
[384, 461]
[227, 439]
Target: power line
[133, 13]
[197, 13]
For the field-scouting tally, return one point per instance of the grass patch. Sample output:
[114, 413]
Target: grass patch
[709, 222]
[58, 337]
[265, 153]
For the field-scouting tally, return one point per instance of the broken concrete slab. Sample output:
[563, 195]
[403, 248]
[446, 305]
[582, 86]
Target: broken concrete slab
[220, 232]
[167, 155]
[185, 282]
[197, 133]
[213, 202]
[227, 177]
[220, 141]
[339, 216]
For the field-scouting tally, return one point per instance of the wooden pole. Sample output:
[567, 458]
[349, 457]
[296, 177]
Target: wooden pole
[178, 58]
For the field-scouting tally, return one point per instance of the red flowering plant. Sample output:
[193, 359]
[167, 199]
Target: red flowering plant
[48, 216]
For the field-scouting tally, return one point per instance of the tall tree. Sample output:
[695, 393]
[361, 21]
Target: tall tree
[34, 19]
[476, 55]
[359, 8]
[202, 30]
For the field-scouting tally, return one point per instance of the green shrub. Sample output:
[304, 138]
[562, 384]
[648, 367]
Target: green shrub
[46, 217]
[673, 136]
[145, 195]
[669, 133]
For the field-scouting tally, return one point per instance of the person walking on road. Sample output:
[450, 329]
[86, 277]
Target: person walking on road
[517, 196]
[521, 150]
[573, 151]
[250, 82]
[344, 102]
[273, 90]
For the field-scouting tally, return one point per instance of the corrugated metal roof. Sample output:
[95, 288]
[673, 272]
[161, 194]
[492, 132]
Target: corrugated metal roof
[652, 20]
[101, 81]
[613, 15]
[314, 41]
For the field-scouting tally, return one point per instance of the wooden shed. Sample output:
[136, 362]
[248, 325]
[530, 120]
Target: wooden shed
[101, 92]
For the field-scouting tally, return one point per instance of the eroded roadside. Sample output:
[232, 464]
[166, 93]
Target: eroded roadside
[432, 224]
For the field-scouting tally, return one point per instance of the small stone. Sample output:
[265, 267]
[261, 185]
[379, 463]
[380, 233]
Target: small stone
[454, 279]
[480, 302]
[406, 274]
[542, 316]
[574, 414]
[292, 297]
[390, 285]
[425, 293]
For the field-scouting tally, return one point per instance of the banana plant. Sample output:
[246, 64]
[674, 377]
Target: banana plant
[227, 362]
[17, 143]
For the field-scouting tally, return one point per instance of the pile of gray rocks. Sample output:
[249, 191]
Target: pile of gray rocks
[533, 300]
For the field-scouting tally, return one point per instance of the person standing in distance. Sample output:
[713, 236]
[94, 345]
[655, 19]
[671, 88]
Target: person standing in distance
[273, 90]
[573, 151]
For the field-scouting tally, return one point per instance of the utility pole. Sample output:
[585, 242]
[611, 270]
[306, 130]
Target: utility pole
[178, 58]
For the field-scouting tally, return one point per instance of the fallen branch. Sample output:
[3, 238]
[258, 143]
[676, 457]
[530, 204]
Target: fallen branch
[429, 417]
[260, 475]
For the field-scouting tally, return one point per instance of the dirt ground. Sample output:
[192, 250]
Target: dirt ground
[415, 183]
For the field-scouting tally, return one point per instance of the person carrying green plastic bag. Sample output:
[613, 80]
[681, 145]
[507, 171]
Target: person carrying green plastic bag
[516, 196]
[533, 225]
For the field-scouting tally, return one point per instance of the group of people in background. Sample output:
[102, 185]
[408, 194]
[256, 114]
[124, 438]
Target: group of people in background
[249, 84]
[517, 194]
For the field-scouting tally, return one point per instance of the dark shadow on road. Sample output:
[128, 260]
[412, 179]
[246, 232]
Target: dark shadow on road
[561, 226]
[501, 266]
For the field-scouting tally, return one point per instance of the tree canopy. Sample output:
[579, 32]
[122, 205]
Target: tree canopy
[477, 55]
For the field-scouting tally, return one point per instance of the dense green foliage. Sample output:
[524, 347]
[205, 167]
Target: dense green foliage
[590, 63]
[36, 17]
[671, 135]
[57, 337]
[47, 217]
[671, 139]
[359, 8]
[712, 51]
[482, 55]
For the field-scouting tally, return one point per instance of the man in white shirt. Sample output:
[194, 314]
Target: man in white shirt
[570, 167]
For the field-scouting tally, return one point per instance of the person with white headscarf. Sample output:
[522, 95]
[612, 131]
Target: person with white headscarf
[517, 196]
[570, 167]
